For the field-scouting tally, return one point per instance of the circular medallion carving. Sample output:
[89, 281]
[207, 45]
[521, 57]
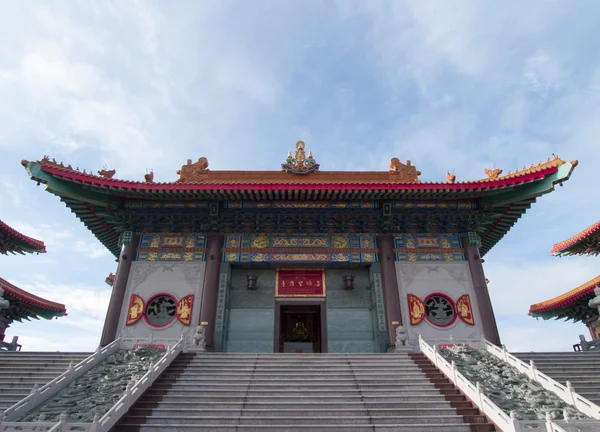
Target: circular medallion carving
[440, 310]
[160, 310]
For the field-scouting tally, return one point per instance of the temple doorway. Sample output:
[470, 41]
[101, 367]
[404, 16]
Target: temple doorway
[300, 329]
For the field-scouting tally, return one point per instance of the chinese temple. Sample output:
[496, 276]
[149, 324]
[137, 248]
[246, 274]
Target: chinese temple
[575, 304]
[299, 259]
[17, 304]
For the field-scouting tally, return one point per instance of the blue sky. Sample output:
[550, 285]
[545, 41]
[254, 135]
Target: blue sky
[458, 86]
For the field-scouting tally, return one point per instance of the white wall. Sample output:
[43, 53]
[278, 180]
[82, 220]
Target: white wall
[147, 278]
[424, 278]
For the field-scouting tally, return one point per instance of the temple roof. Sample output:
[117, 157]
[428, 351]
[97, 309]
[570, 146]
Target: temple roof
[587, 242]
[108, 206]
[571, 305]
[202, 182]
[24, 305]
[13, 241]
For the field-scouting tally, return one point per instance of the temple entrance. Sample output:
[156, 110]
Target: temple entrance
[300, 329]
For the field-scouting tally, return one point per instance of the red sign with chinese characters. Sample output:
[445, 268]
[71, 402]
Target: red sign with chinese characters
[300, 283]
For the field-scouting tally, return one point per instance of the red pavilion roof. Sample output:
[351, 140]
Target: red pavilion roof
[13, 241]
[31, 299]
[206, 180]
[100, 200]
[585, 242]
[572, 304]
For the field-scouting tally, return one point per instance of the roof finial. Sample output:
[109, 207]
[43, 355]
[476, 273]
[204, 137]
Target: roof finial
[300, 163]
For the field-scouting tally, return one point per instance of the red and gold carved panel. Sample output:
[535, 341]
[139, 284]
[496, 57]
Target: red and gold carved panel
[416, 309]
[136, 309]
[300, 283]
[464, 309]
[184, 309]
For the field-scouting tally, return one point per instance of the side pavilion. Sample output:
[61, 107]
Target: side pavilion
[17, 304]
[575, 304]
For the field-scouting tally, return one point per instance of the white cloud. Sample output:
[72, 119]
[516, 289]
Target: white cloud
[53, 235]
[541, 336]
[93, 251]
[78, 331]
[514, 286]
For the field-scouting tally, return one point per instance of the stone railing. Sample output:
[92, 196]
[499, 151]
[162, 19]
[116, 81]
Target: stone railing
[39, 395]
[131, 395]
[129, 343]
[506, 422]
[110, 418]
[566, 393]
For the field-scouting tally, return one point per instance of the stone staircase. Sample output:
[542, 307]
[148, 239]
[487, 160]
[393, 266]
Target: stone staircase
[20, 371]
[302, 392]
[581, 369]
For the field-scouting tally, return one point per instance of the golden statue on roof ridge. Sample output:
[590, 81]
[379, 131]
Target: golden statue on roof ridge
[404, 173]
[300, 163]
[193, 172]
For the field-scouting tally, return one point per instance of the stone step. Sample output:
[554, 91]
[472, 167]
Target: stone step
[301, 356]
[4, 375]
[226, 368]
[271, 397]
[287, 389]
[297, 386]
[44, 354]
[278, 411]
[55, 370]
[145, 406]
[298, 420]
[298, 365]
[39, 360]
[26, 381]
[127, 427]
[215, 380]
[561, 360]
[322, 398]
[284, 373]
[577, 380]
[186, 380]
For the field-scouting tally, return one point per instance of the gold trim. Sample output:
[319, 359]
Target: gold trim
[428, 250]
[300, 295]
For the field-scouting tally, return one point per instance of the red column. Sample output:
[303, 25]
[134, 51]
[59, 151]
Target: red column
[115, 306]
[482, 295]
[210, 290]
[390, 286]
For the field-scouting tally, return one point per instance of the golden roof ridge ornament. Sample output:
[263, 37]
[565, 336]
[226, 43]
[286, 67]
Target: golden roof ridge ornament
[406, 173]
[191, 172]
[300, 163]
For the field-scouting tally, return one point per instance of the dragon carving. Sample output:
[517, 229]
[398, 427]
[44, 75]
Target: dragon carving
[193, 172]
[107, 173]
[406, 173]
[492, 174]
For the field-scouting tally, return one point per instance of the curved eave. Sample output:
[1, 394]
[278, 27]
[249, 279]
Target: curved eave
[587, 242]
[13, 293]
[559, 306]
[194, 190]
[505, 199]
[16, 242]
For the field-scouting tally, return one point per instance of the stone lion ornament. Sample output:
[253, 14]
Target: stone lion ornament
[401, 336]
[401, 344]
[199, 339]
